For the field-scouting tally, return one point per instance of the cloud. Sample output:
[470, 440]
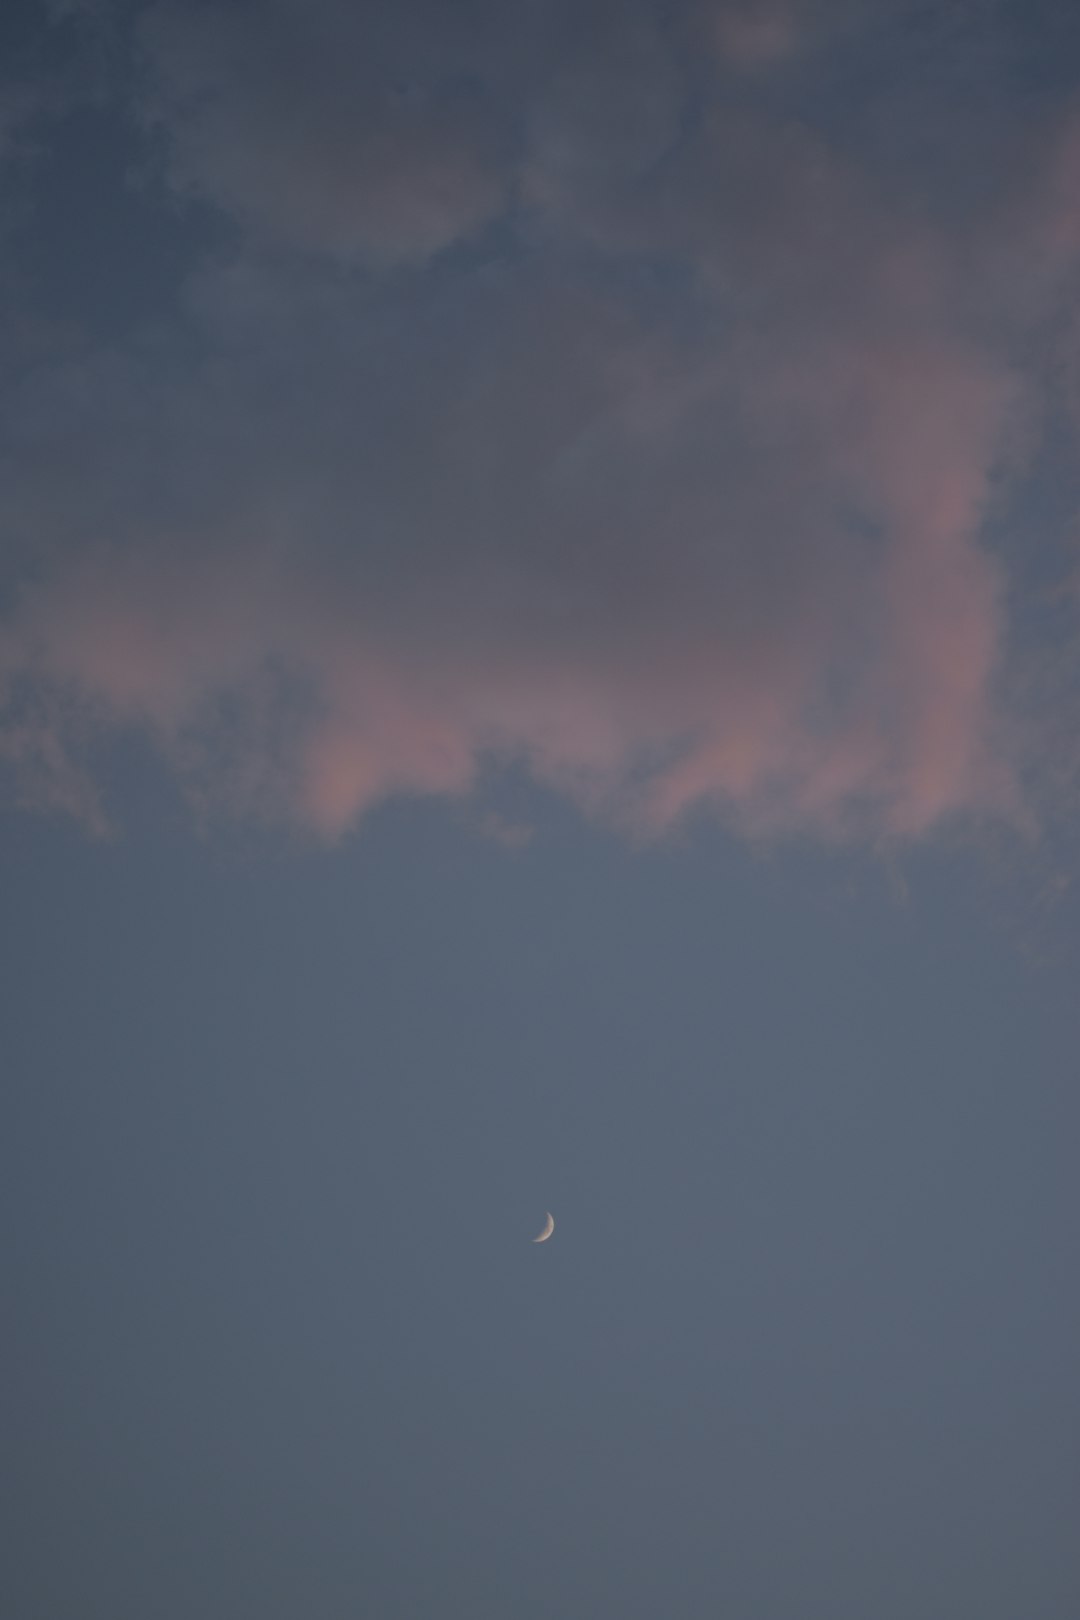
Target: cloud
[313, 128]
[685, 496]
[755, 35]
[657, 576]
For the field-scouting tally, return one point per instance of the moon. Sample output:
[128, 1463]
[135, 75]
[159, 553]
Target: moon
[549, 1227]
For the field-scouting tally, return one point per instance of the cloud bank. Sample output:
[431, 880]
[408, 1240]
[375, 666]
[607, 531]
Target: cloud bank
[620, 394]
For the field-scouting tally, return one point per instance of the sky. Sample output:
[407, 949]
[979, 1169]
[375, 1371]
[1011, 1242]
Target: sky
[539, 671]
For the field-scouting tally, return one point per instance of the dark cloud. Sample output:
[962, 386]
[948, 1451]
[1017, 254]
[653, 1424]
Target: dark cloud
[562, 395]
[326, 128]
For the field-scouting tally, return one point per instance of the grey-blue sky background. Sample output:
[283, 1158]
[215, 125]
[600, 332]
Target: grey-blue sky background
[537, 671]
[277, 1137]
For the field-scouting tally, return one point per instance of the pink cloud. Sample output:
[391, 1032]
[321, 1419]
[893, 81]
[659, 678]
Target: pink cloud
[753, 582]
[754, 33]
[720, 548]
[642, 729]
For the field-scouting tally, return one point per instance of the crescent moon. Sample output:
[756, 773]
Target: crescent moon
[549, 1227]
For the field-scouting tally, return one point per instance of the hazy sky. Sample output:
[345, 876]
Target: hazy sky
[540, 669]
